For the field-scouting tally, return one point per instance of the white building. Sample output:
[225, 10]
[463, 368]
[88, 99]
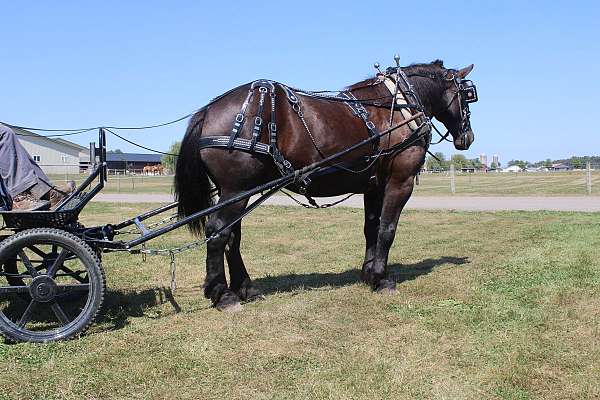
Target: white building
[513, 168]
[55, 155]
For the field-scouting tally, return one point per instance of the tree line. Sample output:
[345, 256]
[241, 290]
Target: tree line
[439, 162]
[575, 162]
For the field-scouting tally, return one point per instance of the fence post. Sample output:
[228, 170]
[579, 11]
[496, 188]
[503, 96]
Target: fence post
[132, 183]
[452, 181]
[589, 177]
[118, 183]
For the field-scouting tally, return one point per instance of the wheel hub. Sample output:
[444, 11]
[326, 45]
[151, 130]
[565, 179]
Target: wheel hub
[43, 289]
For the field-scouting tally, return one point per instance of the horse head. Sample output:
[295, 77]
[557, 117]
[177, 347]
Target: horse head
[447, 95]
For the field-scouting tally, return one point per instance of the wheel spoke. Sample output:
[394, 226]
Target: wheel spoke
[60, 313]
[37, 251]
[61, 289]
[14, 289]
[73, 274]
[58, 262]
[27, 314]
[30, 268]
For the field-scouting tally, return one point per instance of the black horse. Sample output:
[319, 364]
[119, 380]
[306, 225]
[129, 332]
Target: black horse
[308, 130]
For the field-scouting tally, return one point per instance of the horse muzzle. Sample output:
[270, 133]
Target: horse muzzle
[464, 140]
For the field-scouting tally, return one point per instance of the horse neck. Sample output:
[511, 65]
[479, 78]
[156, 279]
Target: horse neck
[430, 93]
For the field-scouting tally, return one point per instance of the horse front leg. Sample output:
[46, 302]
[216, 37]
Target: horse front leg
[373, 200]
[395, 197]
[240, 282]
[215, 285]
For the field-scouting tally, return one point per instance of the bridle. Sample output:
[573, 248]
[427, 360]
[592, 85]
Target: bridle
[466, 93]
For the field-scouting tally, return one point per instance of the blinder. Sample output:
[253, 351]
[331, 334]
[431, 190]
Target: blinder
[468, 91]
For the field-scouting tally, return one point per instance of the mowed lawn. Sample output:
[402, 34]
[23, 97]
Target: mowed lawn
[571, 183]
[489, 305]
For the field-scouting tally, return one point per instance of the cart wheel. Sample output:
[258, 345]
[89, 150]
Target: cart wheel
[51, 286]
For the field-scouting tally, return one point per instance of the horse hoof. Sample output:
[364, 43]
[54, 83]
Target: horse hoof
[249, 294]
[386, 288]
[229, 302]
[230, 308]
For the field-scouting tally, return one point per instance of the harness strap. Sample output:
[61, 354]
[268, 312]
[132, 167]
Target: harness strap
[238, 123]
[258, 118]
[400, 99]
[359, 110]
[237, 144]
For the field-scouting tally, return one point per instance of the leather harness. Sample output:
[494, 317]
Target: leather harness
[267, 87]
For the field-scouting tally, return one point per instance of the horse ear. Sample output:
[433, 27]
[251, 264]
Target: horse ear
[465, 71]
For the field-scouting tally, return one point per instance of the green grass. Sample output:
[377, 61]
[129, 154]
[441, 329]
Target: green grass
[571, 183]
[126, 184]
[489, 305]
[492, 184]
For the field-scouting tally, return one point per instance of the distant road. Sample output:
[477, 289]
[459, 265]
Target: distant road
[462, 203]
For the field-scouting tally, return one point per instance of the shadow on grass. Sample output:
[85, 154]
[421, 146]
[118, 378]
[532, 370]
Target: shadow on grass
[399, 272]
[120, 305]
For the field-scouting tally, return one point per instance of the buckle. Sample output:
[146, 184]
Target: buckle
[272, 127]
[239, 118]
[262, 89]
[370, 125]
[257, 121]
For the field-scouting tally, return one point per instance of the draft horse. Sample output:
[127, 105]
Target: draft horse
[304, 127]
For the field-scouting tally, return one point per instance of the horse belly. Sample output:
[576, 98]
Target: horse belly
[338, 183]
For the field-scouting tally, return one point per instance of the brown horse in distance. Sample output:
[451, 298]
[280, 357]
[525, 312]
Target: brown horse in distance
[386, 186]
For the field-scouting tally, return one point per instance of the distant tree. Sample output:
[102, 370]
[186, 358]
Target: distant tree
[476, 163]
[520, 163]
[577, 162]
[493, 165]
[459, 161]
[547, 163]
[115, 151]
[169, 160]
[433, 164]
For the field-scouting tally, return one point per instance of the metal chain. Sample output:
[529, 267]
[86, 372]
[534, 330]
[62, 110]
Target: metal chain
[315, 205]
[173, 276]
[296, 107]
[171, 250]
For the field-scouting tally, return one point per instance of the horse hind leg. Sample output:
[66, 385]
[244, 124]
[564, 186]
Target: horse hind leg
[240, 282]
[215, 285]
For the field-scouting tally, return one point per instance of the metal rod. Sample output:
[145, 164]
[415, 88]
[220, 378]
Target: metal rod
[88, 180]
[146, 215]
[278, 183]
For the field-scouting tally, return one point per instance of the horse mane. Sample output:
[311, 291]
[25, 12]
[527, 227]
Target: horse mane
[434, 68]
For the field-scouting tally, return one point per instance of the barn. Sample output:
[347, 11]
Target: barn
[54, 155]
[131, 162]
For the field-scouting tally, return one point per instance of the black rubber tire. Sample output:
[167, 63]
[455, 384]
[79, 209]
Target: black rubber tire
[95, 280]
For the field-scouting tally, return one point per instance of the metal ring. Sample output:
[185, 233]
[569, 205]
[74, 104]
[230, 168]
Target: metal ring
[263, 89]
[300, 114]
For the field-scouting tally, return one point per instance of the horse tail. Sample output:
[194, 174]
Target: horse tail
[192, 182]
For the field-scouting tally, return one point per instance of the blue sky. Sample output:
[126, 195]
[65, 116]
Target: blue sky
[78, 64]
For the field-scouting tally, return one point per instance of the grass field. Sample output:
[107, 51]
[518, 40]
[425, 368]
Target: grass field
[489, 305]
[493, 184]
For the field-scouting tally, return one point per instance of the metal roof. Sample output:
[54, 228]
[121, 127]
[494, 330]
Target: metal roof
[23, 132]
[133, 157]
